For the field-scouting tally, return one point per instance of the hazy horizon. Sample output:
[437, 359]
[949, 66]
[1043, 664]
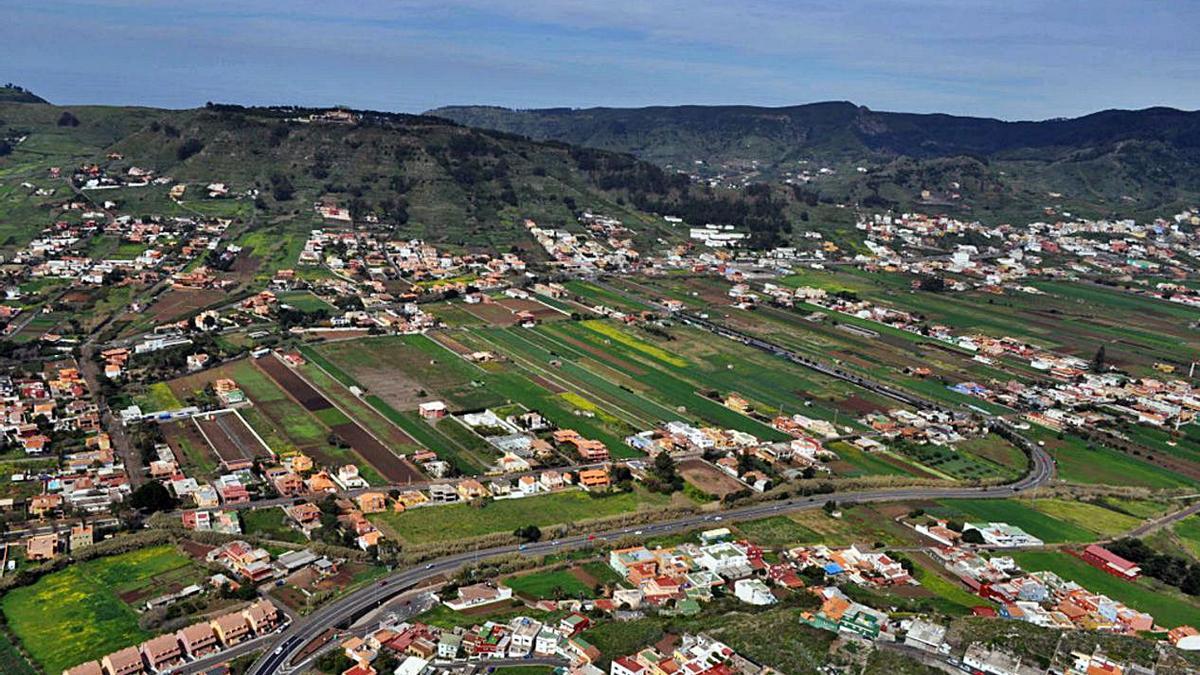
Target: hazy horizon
[1008, 60]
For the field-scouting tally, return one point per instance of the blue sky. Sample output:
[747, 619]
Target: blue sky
[1013, 59]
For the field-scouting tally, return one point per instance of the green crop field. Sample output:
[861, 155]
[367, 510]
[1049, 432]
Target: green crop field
[462, 521]
[550, 585]
[1079, 462]
[776, 532]
[305, 302]
[1013, 512]
[1188, 531]
[75, 614]
[1105, 522]
[1168, 606]
[158, 396]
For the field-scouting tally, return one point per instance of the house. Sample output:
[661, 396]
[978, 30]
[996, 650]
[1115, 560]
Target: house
[478, 595]
[432, 410]
[262, 617]
[41, 547]
[753, 592]
[1102, 558]
[594, 479]
[448, 646]
[470, 488]
[162, 652]
[574, 623]
[372, 502]
[924, 635]
[231, 628]
[126, 661]
[198, 640]
[81, 535]
[89, 668]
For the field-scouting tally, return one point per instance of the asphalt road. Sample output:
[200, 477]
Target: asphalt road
[363, 600]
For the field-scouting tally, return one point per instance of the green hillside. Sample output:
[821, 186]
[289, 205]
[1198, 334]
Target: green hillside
[424, 176]
[1135, 163]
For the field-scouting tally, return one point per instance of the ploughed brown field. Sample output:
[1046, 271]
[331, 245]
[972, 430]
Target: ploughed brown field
[393, 467]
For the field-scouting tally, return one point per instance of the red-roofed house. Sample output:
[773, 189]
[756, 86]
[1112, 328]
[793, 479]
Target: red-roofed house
[1098, 556]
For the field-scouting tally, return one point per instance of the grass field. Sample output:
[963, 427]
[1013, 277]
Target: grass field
[1168, 607]
[270, 523]
[1045, 527]
[12, 662]
[1188, 531]
[462, 521]
[158, 396]
[776, 532]
[1098, 519]
[550, 585]
[1077, 462]
[75, 615]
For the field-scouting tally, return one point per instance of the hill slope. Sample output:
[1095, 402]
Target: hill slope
[424, 176]
[1110, 161]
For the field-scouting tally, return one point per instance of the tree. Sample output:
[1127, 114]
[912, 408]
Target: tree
[152, 497]
[1098, 360]
[972, 536]
[529, 533]
[68, 119]
[188, 148]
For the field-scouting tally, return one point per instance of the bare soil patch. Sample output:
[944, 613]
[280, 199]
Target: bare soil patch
[175, 303]
[708, 478]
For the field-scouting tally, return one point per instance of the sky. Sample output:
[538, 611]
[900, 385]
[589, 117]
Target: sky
[1012, 59]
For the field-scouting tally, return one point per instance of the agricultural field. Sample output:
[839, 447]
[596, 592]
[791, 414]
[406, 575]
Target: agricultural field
[463, 521]
[1188, 532]
[283, 421]
[1021, 513]
[84, 611]
[270, 523]
[158, 396]
[1169, 607]
[549, 585]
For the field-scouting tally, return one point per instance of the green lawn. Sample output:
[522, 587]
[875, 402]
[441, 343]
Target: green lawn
[462, 521]
[1013, 512]
[270, 523]
[75, 615]
[551, 585]
[305, 301]
[1168, 606]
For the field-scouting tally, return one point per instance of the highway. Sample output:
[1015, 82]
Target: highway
[363, 600]
[357, 603]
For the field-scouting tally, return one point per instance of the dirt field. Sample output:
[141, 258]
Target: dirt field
[708, 478]
[493, 313]
[538, 310]
[394, 468]
[176, 431]
[305, 395]
[177, 302]
[233, 441]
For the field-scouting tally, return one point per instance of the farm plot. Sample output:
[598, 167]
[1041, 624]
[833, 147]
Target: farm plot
[189, 446]
[1043, 526]
[77, 614]
[708, 479]
[175, 303]
[463, 521]
[411, 369]
[235, 443]
[393, 467]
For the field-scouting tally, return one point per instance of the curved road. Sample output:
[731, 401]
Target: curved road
[356, 604]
